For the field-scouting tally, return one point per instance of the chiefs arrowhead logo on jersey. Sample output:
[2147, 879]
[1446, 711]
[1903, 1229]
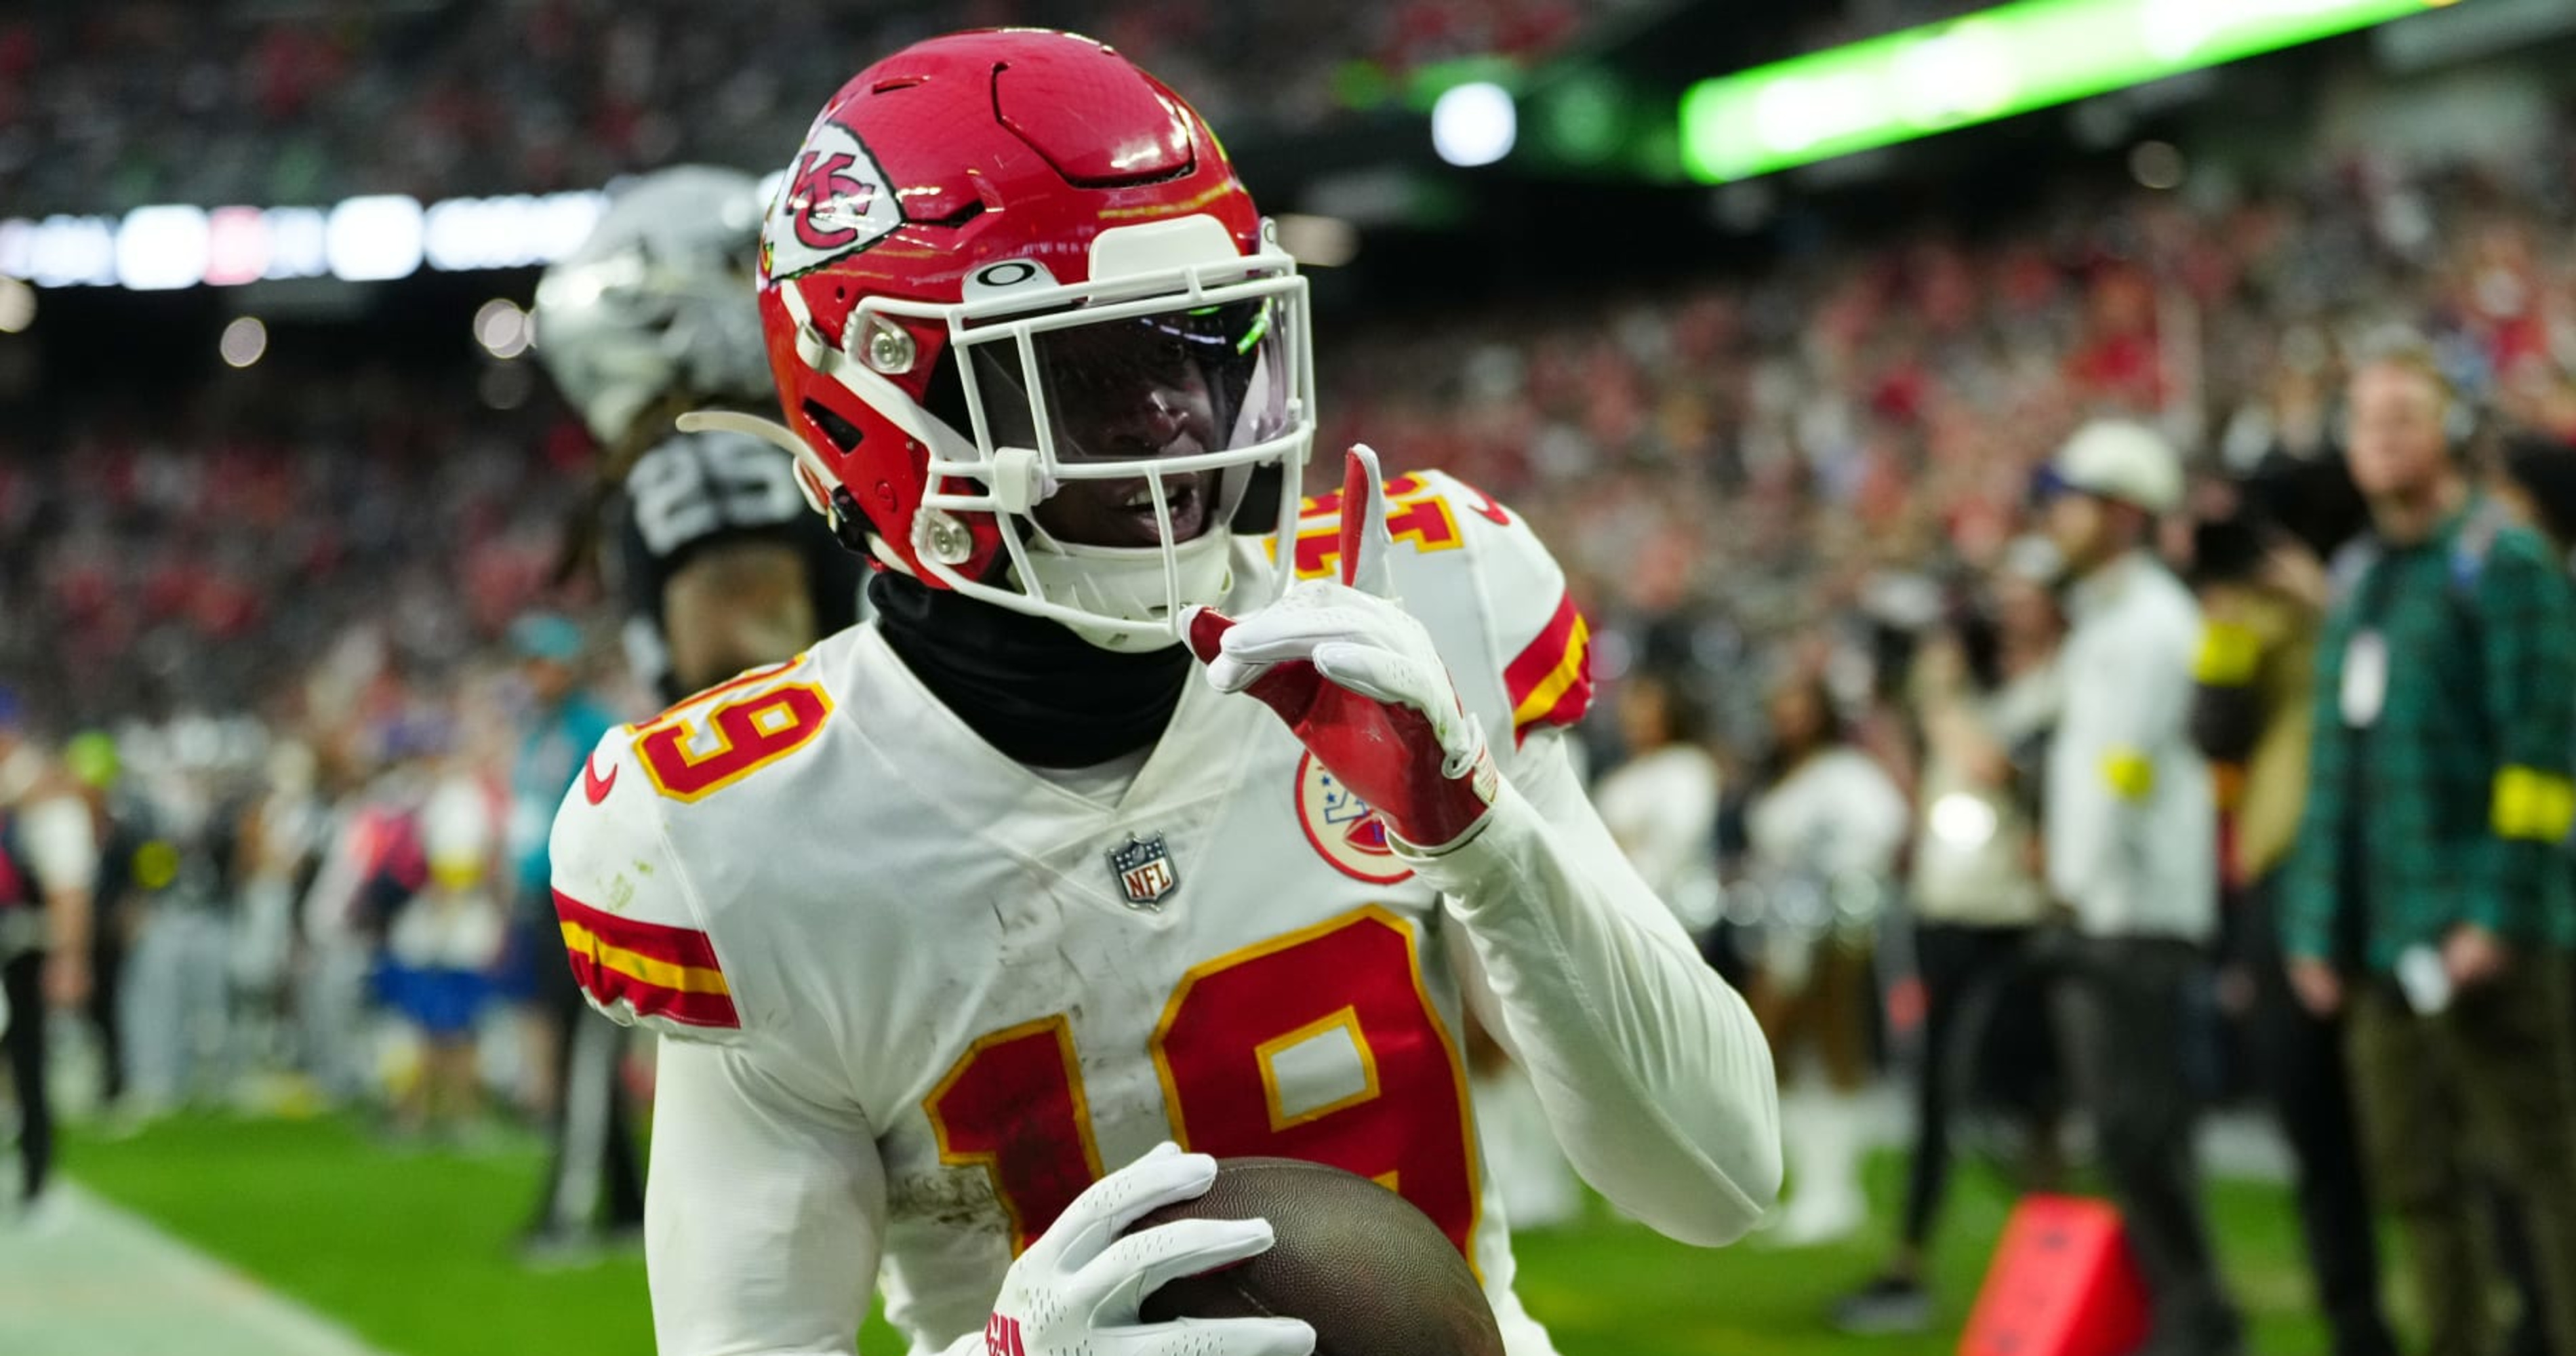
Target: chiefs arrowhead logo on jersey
[1344, 830]
[1144, 867]
[835, 201]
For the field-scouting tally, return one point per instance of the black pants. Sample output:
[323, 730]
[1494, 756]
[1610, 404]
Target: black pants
[107, 987]
[1953, 962]
[592, 1164]
[2299, 1066]
[2121, 1017]
[23, 978]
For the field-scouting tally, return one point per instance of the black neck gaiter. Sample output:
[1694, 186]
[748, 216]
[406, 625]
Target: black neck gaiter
[1029, 686]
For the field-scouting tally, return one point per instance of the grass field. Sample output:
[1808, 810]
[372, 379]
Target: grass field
[412, 1251]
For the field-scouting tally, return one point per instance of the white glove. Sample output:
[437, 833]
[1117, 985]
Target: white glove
[1359, 680]
[1077, 1289]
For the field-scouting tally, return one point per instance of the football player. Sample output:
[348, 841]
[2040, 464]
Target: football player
[720, 565]
[1155, 815]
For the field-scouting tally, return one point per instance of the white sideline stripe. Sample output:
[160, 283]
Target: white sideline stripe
[90, 1279]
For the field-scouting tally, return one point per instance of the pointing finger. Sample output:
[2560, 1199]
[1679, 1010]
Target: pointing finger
[1365, 542]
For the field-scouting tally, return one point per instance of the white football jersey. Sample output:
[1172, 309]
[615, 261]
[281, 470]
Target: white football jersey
[1010, 986]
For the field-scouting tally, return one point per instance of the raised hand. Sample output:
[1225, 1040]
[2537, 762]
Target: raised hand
[1358, 680]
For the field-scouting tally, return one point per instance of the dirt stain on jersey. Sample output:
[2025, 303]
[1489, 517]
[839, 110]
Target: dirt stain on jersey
[949, 1198]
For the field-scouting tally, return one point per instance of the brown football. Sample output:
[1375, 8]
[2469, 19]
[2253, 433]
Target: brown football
[1373, 1275]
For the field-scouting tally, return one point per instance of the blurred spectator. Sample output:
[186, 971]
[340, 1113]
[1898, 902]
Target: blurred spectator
[1825, 826]
[177, 1019]
[95, 764]
[2130, 831]
[594, 1184]
[280, 838]
[2263, 603]
[1975, 892]
[2427, 897]
[48, 865]
[371, 861]
[1661, 803]
[441, 949]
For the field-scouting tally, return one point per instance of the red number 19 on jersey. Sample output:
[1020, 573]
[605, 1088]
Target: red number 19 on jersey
[1014, 1105]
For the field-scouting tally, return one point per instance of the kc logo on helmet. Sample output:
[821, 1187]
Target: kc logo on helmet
[834, 202]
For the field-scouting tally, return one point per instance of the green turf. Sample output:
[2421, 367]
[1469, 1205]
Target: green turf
[413, 1252]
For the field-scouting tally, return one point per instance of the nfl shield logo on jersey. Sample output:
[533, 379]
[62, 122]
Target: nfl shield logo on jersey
[1144, 868]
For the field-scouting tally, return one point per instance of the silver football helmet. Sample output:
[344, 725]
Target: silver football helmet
[659, 301]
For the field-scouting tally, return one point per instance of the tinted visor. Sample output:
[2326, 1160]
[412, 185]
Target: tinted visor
[1176, 383]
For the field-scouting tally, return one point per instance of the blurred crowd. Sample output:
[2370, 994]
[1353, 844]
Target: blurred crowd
[1813, 510]
[339, 908]
[291, 655]
[311, 102]
[283, 540]
[1822, 444]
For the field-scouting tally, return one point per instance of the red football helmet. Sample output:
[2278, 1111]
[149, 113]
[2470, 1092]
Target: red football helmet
[1008, 261]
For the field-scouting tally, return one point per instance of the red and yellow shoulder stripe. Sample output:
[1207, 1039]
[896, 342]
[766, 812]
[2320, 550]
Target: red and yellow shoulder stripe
[655, 970]
[1550, 683]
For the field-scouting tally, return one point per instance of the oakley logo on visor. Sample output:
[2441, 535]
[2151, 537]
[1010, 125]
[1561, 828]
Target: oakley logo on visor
[834, 202]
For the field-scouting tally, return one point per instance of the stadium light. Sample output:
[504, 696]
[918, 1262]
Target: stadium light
[160, 249]
[501, 328]
[298, 242]
[1474, 124]
[374, 238]
[237, 249]
[2156, 164]
[17, 306]
[244, 340]
[363, 239]
[64, 251]
[1987, 65]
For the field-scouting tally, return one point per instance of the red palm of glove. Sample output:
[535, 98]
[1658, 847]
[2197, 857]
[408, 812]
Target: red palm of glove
[1387, 752]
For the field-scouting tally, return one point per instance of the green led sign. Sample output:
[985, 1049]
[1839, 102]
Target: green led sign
[1987, 65]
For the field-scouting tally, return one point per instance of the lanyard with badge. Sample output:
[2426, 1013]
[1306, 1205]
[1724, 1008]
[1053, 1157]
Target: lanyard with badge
[2362, 695]
[2365, 678]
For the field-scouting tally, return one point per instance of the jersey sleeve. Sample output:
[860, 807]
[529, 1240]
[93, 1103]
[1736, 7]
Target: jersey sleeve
[1493, 598]
[633, 928]
[1649, 1067]
[766, 1214]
